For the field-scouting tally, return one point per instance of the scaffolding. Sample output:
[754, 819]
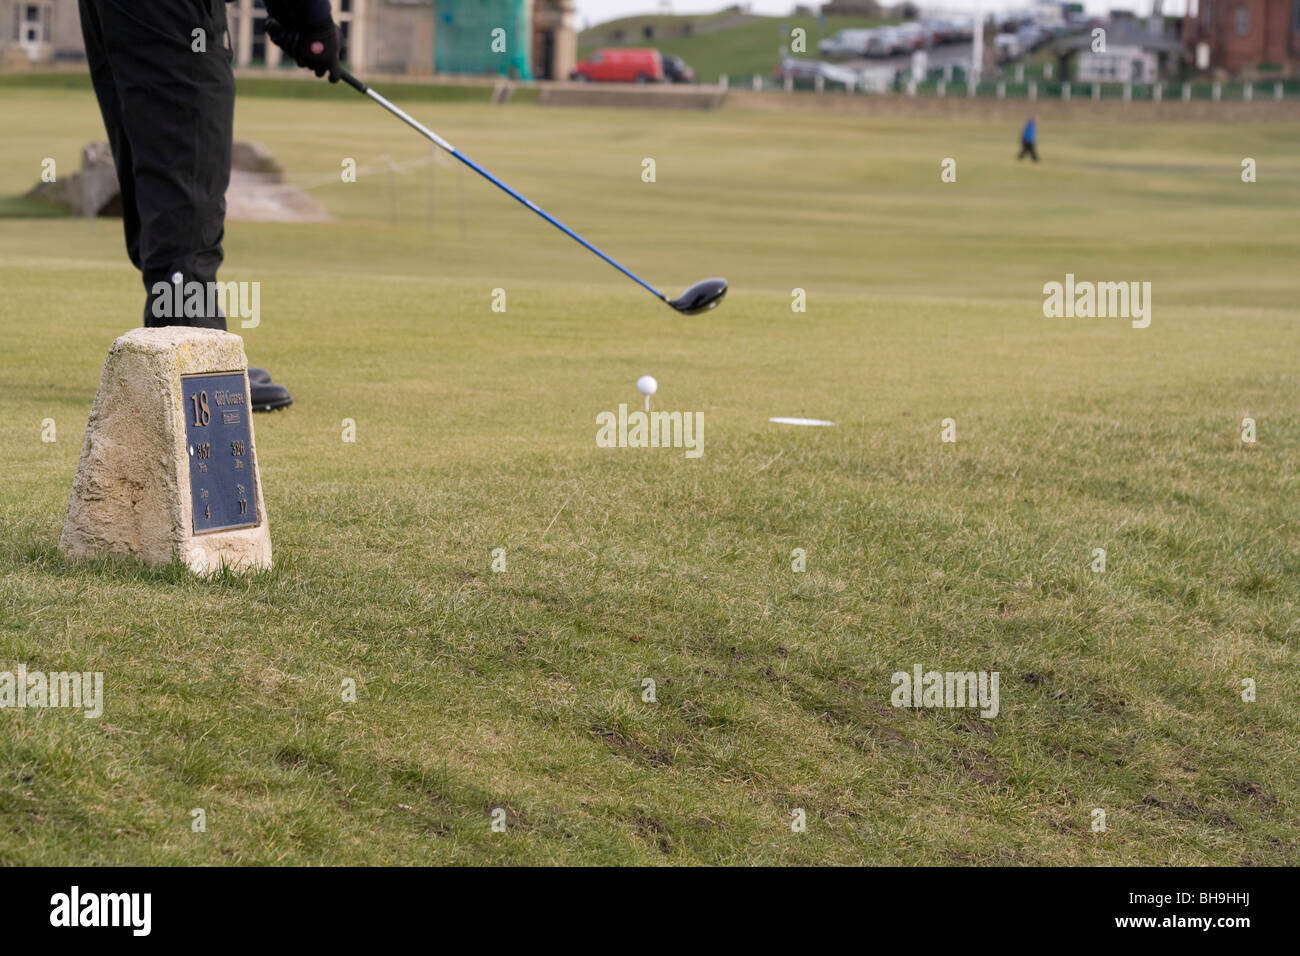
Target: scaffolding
[483, 37]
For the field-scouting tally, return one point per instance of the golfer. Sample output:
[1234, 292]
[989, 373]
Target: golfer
[163, 79]
[1029, 139]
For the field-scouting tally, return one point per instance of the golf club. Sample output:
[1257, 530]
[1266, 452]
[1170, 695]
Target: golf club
[700, 297]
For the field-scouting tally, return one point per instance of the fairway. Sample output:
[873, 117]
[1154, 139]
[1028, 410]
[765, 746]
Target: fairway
[524, 690]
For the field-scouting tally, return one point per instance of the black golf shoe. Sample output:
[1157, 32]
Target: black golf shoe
[267, 396]
[258, 376]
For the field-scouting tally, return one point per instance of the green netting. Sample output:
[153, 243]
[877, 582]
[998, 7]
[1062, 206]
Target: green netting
[465, 41]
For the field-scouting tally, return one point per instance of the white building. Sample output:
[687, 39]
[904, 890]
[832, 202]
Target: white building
[1119, 64]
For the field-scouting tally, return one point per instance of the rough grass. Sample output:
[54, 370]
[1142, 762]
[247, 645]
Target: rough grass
[475, 430]
[738, 46]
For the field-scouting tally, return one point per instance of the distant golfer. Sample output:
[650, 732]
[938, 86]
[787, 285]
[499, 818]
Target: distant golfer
[168, 102]
[1029, 139]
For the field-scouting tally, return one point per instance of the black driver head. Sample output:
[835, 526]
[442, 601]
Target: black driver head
[704, 295]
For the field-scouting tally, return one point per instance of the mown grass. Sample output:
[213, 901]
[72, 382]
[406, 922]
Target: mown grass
[292, 86]
[522, 690]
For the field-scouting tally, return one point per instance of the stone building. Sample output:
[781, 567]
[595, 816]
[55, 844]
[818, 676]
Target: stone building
[1240, 36]
[379, 36]
[46, 31]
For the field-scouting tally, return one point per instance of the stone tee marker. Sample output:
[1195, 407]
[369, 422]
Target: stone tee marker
[168, 469]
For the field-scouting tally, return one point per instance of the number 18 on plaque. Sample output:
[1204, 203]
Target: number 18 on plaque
[222, 483]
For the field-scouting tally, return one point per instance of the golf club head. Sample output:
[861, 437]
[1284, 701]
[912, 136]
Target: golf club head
[701, 297]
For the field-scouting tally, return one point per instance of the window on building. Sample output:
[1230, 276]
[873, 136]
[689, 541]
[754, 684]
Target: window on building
[344, 14]
[31, 23]
[259, 40]
[1243, 20]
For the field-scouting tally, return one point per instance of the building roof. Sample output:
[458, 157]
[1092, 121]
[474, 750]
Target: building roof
[1125, 32]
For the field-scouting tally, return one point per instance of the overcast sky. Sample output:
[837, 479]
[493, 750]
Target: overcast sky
[596, 11]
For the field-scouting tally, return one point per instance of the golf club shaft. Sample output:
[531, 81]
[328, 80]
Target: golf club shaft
[433, 137]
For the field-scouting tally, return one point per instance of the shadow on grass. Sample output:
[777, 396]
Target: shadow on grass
[114, 569]
[31, 207]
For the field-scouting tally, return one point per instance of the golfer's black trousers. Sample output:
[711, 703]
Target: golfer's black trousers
[162, 75]
[1026, 147]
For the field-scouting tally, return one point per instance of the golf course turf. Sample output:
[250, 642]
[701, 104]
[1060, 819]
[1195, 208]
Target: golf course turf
[524, 690]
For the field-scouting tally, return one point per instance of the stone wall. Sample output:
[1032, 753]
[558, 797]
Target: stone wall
[986, 108]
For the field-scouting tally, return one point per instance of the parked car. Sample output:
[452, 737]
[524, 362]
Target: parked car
[677, 71]
[798, 69]
[912, 36]
[1027, 37]
[884, 42]
[620, 66]
[943, 31]
[954, 30]
[845, 44]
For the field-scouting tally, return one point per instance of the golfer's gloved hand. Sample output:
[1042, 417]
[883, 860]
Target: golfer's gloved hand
[312, 45]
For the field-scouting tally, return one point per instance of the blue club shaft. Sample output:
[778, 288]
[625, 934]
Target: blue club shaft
[555, 222]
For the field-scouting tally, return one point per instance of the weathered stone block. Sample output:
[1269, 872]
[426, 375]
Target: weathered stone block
[132, 492]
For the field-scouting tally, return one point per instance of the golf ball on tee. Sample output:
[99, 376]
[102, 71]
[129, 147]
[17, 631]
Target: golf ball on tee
[647, 385]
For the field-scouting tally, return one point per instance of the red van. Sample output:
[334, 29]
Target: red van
[620, 66]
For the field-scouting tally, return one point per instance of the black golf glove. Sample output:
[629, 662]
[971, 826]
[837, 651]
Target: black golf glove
[312, 45]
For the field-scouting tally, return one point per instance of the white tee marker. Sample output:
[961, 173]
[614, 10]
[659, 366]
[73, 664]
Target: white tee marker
[647, 386]
[801, 421]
